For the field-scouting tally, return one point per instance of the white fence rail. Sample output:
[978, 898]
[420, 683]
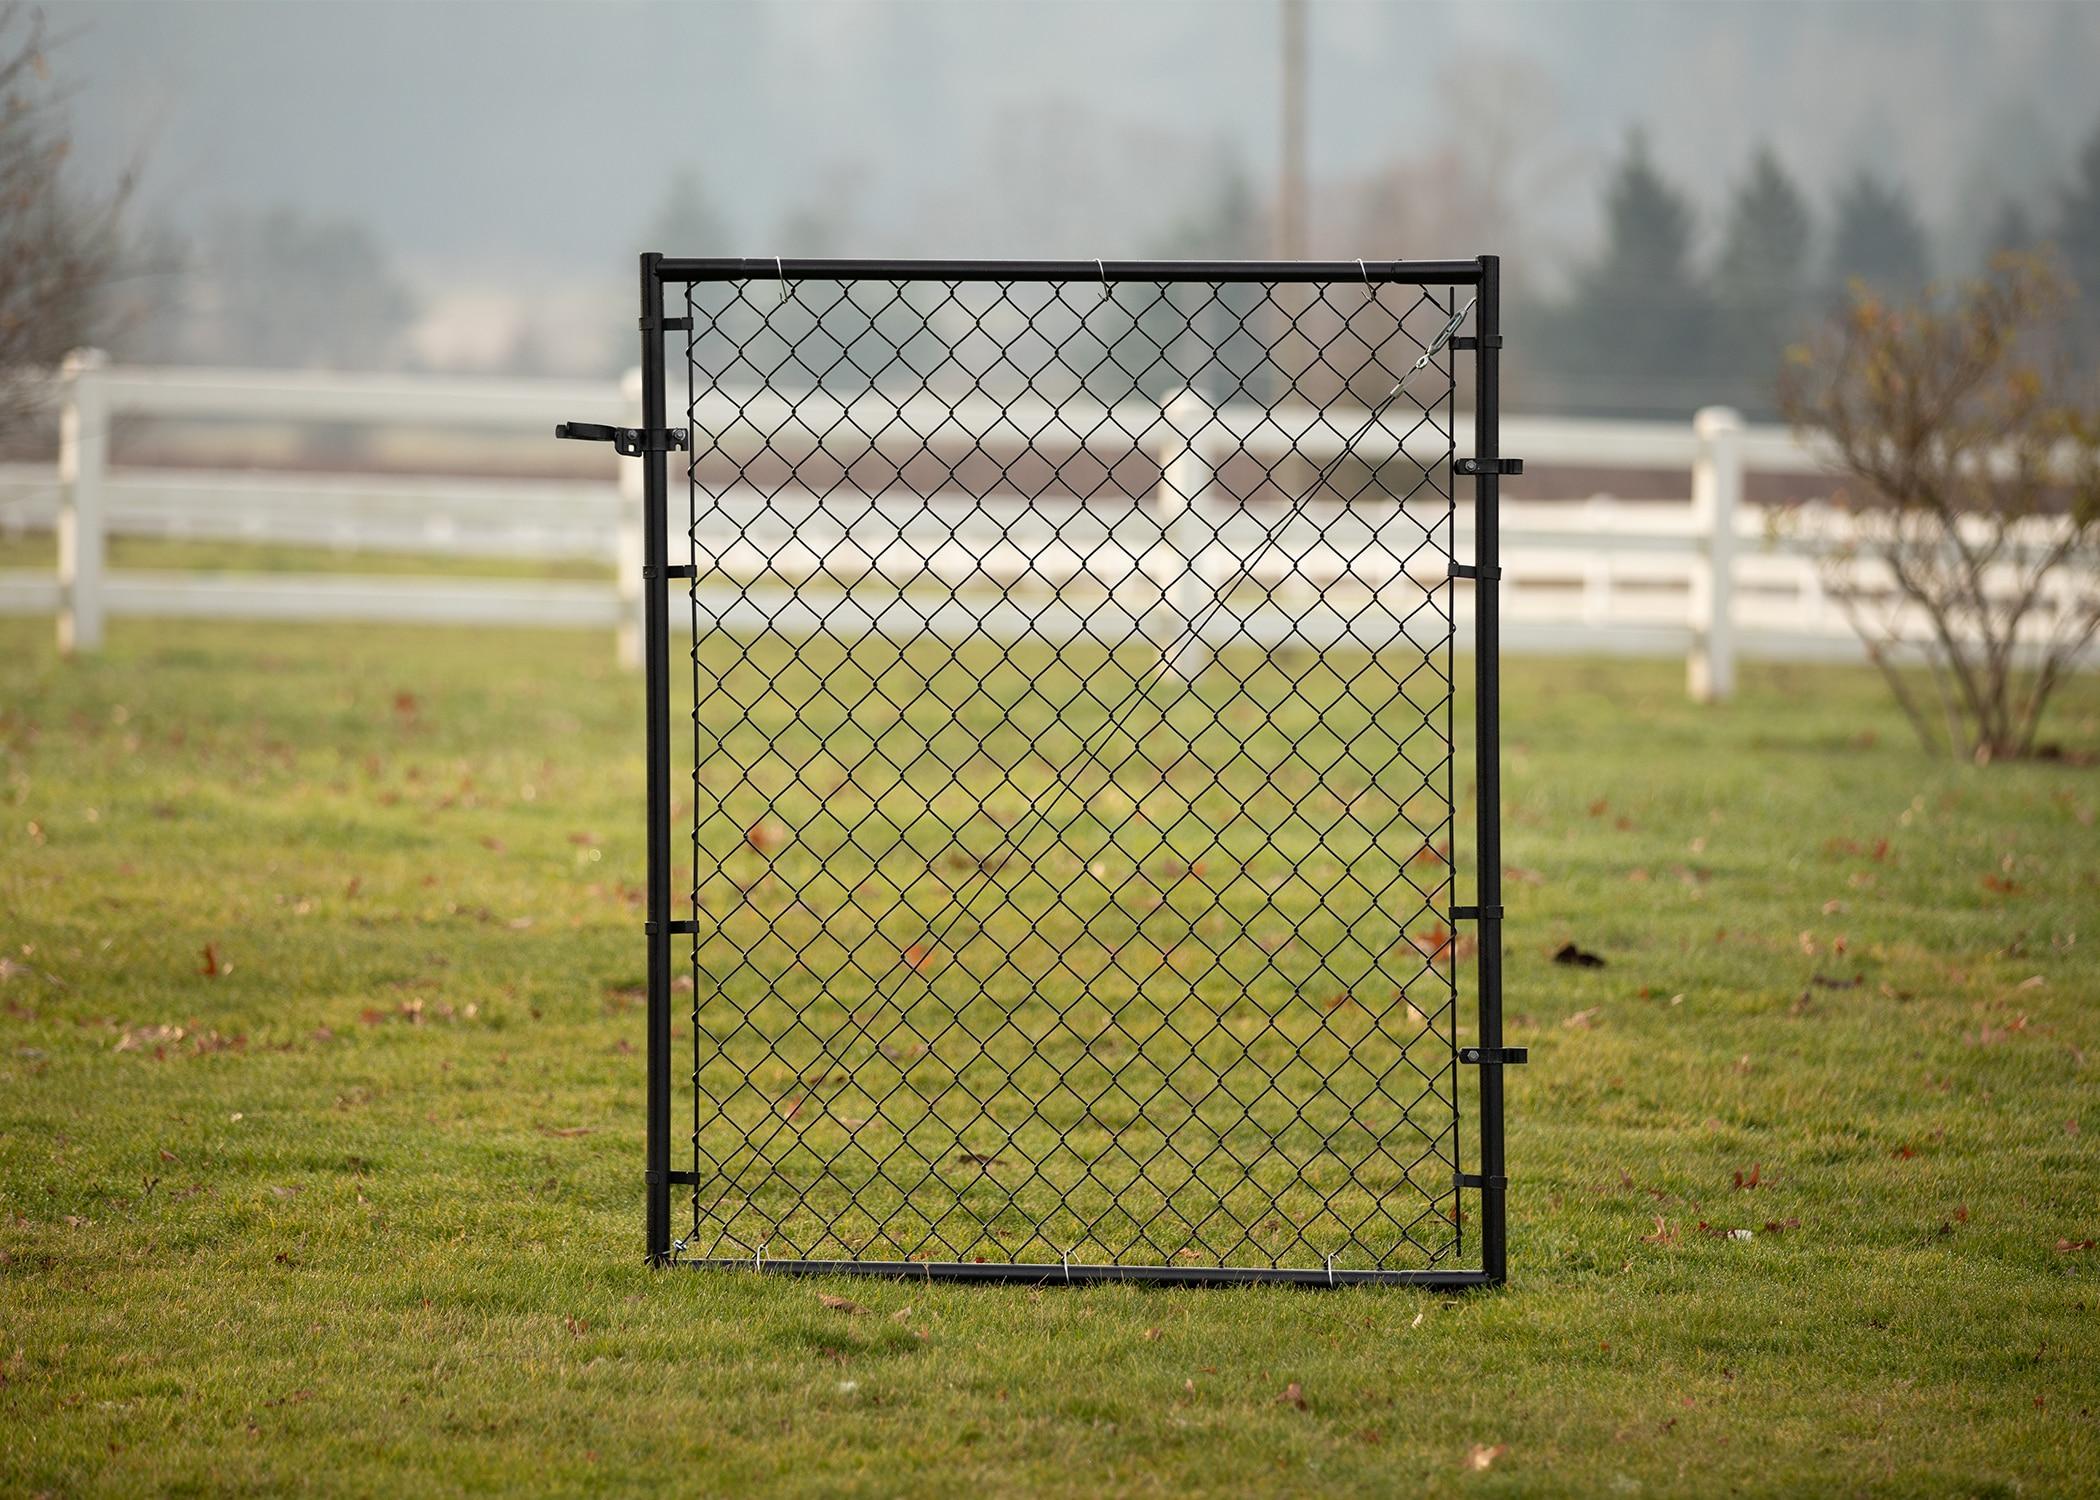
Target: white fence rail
[1700, 578]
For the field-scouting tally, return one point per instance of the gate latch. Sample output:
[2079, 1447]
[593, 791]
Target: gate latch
[1488, 466]
[631, 442]
[1489, 1057]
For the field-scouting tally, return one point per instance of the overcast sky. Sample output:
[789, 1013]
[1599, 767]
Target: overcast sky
[496, 144]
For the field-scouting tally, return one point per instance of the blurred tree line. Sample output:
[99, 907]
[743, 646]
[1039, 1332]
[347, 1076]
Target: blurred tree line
[1651, 326]
[1677, 308]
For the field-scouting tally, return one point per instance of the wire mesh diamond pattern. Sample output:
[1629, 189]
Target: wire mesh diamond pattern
[1071, 805]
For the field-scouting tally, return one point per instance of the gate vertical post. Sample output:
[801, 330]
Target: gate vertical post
[656, 680]
[1487, 750]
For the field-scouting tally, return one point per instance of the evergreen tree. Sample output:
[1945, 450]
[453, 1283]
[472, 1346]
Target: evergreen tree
[1878, 239]
[1761, 279]
[2012, 231]
[2077, 231]
[1638, 334]
[2077, 237]
[686, 221]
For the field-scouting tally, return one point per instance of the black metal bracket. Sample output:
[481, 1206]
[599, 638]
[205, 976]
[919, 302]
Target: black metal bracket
[632, 442]
[667, 325]
[1475, 1180]
[674, 928]
[1493, 1057]
[1468, 570]
[1488, 466]
[1476, 913]
[1467, 341]
[676, 570]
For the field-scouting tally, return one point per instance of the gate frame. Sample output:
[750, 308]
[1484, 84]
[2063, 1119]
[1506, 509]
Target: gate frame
[653, 444]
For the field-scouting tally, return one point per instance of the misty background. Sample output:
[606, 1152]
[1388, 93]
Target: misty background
[1677, 189]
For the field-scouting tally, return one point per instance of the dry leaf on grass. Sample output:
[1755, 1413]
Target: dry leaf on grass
[840, 1304]
[1483, 1456]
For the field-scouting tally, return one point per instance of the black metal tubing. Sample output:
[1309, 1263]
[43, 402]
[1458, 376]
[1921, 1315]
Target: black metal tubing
[749, 267]
[1058, 1274]
[1487, 750]
[656, 675]
[1484, 274]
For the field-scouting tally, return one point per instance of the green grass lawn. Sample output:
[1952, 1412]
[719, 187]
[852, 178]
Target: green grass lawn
[321, 1136]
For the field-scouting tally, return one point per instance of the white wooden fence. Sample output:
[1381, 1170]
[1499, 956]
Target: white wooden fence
[1701, 578]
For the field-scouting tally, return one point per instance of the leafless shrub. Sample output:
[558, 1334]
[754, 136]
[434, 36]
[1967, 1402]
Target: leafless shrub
[59, 248]
[1972, 486]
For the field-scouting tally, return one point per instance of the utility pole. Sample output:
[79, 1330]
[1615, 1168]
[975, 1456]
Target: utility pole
[1290, 187]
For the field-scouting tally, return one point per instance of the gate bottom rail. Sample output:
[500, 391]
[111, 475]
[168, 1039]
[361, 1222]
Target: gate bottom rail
[1057, 1273]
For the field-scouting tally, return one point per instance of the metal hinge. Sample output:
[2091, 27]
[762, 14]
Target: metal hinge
[632, 442]
[1493, 1057]
[1476, 913]
[1468, 570]
[1475, 1180]
[1488, 466]
[1477, 341]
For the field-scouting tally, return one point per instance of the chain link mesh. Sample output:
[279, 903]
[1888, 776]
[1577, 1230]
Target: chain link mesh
[1071, 813]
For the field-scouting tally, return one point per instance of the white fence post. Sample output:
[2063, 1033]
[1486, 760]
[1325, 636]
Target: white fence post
[627, 548]
[1185, 481]
[83, 459]
[1717, 492]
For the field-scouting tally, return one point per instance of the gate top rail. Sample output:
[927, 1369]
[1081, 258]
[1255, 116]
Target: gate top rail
[745, 267]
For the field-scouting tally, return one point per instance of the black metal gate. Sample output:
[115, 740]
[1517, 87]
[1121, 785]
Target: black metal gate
[1073, 886]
